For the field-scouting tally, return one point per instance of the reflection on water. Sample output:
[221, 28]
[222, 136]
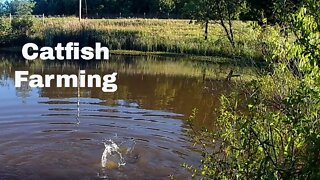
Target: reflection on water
[40, 136]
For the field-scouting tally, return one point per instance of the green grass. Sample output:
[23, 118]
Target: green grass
[148, 35]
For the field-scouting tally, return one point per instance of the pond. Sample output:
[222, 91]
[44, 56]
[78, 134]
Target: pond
[46, 133]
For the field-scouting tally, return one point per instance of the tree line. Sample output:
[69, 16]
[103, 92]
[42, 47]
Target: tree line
[246, 9]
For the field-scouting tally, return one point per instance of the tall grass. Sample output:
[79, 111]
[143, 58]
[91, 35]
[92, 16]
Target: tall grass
[148, 35]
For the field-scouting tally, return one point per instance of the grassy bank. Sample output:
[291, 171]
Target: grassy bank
[144, 35]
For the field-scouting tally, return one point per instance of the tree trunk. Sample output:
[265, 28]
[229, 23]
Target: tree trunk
[206, 30]
[229, 32]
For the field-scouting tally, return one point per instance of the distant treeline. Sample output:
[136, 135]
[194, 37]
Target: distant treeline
[255, 9]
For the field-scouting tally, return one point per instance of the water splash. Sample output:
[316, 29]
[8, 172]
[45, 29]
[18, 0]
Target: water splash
[111, 157]
[116, 152]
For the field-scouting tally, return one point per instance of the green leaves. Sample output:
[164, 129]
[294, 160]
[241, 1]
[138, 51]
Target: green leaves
[273, 133]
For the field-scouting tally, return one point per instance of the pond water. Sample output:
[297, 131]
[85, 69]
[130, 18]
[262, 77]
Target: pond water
[42, 137]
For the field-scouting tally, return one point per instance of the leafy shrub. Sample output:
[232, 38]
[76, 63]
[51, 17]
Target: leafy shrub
[274, 133]
[5, 30]
[22, 25]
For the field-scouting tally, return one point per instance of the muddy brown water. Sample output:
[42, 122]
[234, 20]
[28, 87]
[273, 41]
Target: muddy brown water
[40, 137]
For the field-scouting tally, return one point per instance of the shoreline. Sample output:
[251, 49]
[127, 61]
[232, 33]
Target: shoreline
[208, 59]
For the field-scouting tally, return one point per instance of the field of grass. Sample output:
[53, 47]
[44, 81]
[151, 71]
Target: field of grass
[148, 35]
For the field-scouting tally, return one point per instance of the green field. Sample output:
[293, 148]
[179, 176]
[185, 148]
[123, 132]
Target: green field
[145, 35]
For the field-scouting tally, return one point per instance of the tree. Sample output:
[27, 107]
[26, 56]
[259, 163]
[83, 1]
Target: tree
[274, 11]
[41, 7]
[166, 6]
[273, 133]
[18, 7]
[3, 9]
[24, 7]
[105, 7]
[221, 11]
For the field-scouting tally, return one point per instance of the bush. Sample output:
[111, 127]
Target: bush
[274, 133]
[5, 30]
[22, 25]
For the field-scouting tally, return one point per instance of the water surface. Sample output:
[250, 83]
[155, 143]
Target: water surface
[40, 136]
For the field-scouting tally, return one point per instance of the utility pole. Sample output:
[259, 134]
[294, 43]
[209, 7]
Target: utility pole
[85, 1]
[80, 10]
[10, 17]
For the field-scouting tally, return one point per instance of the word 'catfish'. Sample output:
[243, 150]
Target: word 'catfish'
[71, 51]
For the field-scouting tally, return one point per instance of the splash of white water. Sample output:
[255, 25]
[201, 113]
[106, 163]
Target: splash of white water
[116, 152]
[111, 157]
